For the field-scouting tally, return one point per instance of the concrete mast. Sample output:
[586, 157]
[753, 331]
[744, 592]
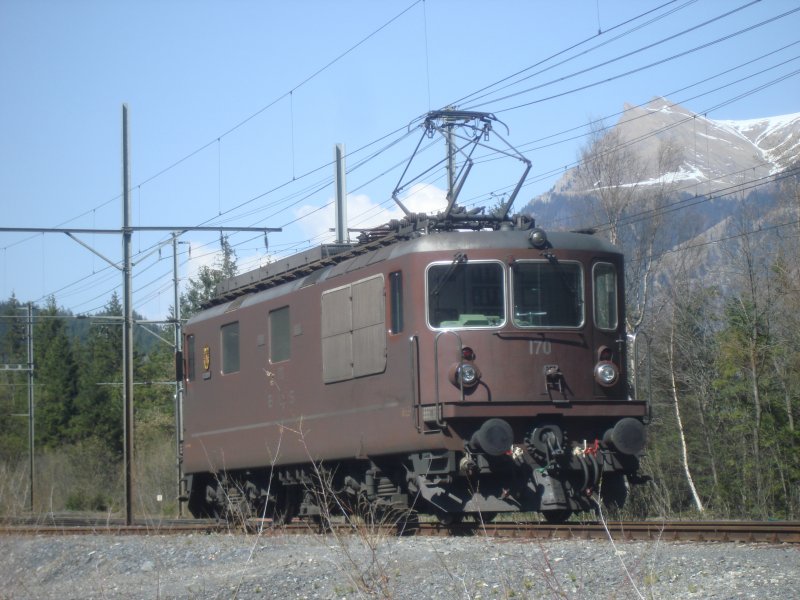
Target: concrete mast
[127, 327]
[341, 195]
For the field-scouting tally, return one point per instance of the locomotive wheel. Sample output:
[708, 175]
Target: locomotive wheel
[555, 517]
[408, 524]
[484, 517]
[613, 492]
[279, 519]
[236, 506]
[198, 503]
[364, 509]
[284, 511]
[448, 518]
[291, 506]
[371, 512]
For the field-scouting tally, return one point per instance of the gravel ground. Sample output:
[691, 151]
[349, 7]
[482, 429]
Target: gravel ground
[369, 566]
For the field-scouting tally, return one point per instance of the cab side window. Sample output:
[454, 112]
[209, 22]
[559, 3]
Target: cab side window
[396, 301]
[605, 296]
[191, 361]
[279, 335]
[230, 347]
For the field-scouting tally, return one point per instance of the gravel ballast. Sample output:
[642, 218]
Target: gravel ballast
[373, 566]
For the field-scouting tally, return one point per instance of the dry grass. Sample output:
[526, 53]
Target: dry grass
[14, 484]
[85, 477]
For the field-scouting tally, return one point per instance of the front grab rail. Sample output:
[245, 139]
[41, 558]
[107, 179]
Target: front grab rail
[637, 393]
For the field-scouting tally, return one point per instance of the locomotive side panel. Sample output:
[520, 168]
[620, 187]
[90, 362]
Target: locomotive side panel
[343, 393]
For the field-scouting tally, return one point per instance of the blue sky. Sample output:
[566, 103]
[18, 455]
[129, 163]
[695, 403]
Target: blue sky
[235, 108]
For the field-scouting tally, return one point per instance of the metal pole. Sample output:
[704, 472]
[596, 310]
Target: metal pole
[31, 421]
[127, 328]
[451, 162]
[341, 195]
[179, 383]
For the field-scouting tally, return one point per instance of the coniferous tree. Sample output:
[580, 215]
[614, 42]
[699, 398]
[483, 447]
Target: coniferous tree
[56, 377]
[13, 384]
[13, 344]
[201, 289]
[98, 405]
[155, 399]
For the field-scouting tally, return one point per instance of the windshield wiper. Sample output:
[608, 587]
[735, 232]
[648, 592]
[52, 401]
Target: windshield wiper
[459, 259]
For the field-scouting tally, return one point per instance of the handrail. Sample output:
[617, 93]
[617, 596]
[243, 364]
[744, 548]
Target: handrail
[416, 401]
[634, 338]
[436, 370]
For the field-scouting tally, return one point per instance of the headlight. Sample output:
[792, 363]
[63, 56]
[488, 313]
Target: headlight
[464, 375]
[537, 238]
[606, 373]
[468, 374]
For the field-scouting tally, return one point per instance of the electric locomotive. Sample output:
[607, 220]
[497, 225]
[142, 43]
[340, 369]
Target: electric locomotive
[457, 365]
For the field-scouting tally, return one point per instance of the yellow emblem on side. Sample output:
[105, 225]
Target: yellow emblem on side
[206, 358]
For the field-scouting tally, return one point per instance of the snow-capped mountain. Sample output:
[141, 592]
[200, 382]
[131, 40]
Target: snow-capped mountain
[778, 138]
[710, 157]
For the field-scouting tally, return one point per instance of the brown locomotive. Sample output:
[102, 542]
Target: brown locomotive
[450, 372]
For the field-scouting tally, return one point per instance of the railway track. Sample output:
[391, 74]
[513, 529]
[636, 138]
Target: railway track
[695, 531]
[773, 532]
[53, 524]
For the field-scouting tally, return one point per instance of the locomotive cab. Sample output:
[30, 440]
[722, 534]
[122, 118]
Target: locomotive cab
[529, 369]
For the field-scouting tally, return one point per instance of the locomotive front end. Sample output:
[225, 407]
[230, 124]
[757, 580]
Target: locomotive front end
[529, 370]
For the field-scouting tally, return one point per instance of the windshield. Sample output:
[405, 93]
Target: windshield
[548, 294]
[466, 294]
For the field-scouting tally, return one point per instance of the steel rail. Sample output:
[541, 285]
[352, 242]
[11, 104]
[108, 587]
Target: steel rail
[697, 531]
[771, 532]
[85, 525]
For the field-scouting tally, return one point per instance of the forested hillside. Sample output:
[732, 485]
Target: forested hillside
[712, 284]
[712, 288]
[78, 404]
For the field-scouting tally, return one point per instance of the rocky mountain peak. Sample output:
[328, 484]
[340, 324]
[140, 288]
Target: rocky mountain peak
[708, 155]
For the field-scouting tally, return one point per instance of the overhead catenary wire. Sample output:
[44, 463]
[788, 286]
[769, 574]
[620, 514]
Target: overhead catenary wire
[628, 72]
[228, 216]
[241, 123]
[712, 242]
[217, 139]
[713, 195]
[286, 94]
[252, 116]
[656, 132]
[482, 92]
[670, 94]
[606, 62]
[528, 145]
[314, 211]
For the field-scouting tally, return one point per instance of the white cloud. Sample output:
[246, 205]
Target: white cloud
[363, 212]
[425, 198]
[314, 227]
